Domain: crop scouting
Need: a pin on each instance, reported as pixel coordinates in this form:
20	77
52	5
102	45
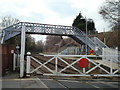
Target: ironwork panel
89	42
11	31
37	28
100	43
49	29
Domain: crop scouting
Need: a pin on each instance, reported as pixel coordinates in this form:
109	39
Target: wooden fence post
28	64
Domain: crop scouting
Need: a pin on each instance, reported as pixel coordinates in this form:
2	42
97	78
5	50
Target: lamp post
86	34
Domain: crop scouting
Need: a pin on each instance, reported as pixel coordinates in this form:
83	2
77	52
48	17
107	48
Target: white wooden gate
70	62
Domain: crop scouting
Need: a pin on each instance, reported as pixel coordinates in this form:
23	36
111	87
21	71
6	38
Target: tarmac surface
12	80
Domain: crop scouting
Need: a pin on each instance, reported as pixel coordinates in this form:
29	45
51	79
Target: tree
91	26
30	43
110	11
52	42
39	46
7	21
33	46
80	22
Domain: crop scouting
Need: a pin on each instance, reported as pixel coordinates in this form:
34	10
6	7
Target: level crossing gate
61	65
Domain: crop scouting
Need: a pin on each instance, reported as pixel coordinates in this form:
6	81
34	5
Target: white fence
71	51
16	61
88	71
110	54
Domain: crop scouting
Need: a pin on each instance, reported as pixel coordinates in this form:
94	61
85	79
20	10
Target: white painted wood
28	64
56	66
116	75
116	71
111	69
69	65
41	65
85	71
98	65
14	61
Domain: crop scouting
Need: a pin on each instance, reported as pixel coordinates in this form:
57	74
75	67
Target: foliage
80	22
40	46
58	43
110	11
32	46
52	43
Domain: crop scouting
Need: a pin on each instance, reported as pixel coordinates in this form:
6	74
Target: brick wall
7	58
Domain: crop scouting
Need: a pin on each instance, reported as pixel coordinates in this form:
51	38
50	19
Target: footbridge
47	29
23	28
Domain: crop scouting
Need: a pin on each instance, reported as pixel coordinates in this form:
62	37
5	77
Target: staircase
91	43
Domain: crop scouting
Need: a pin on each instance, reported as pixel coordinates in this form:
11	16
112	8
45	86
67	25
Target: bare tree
51	41
7	21
109	11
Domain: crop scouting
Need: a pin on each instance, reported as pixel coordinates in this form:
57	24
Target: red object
84	62
12	51
91	51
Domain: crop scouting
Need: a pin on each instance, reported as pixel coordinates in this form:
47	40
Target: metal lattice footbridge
47	29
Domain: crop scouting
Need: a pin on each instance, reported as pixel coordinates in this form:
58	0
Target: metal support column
86	35
22	51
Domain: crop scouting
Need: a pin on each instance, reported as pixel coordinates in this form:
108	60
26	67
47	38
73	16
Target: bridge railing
100	43
72	65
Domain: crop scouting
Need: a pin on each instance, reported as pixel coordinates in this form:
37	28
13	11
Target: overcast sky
61	12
